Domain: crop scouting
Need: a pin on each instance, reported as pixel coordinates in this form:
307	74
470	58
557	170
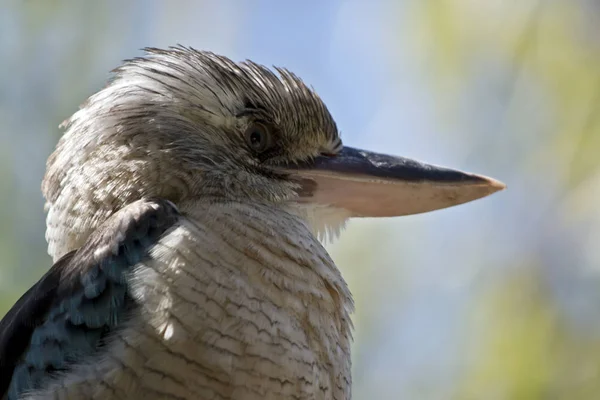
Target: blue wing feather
85	298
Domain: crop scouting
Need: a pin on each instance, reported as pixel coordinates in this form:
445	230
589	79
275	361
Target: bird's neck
277	237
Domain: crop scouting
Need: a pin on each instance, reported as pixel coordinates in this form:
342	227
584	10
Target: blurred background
497	299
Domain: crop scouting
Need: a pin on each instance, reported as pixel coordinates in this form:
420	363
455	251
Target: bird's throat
248	281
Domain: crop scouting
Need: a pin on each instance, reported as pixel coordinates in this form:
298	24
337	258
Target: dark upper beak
376	185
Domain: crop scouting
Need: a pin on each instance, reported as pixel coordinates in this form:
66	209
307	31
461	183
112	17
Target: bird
188	203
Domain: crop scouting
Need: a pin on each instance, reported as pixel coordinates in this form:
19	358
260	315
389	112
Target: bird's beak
376	185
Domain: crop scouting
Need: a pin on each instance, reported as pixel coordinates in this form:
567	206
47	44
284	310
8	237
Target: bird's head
191	126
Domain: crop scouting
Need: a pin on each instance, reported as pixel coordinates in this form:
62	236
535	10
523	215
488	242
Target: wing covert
84	297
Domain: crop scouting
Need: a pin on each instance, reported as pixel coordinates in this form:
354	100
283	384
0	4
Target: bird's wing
68	313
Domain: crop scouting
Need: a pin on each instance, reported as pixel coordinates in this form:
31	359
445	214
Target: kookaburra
186	202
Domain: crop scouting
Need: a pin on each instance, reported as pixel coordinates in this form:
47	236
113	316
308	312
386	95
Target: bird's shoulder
68	313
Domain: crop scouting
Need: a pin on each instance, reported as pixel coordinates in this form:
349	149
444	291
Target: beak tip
487	186
493	184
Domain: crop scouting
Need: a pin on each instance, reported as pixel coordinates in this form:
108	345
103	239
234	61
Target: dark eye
258	137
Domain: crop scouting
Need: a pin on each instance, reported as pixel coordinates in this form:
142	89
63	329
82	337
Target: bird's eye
258	137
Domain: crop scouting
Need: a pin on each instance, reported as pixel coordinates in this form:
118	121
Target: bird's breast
238	302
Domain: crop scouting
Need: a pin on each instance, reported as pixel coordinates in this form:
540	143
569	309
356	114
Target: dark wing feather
28	313
66	315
